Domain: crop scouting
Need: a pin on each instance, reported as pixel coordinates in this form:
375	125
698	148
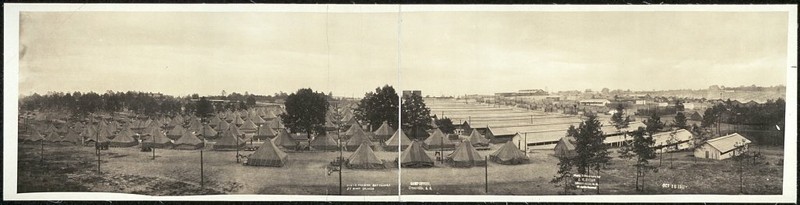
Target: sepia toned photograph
401	103
207	103
548	103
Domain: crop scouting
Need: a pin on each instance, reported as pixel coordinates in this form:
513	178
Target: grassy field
700	176
176	172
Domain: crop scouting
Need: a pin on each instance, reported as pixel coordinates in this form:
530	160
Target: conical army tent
188	141
509	154
565	147
235	130
237	121
229	141
175	122
106	132
275	124
128	132
50	129
324	142
264	133
73	137
269	155
63	129
213	121
208	133
157	139
354	127
230	117
415	156
438	141
285	140
176	132
270	115
89	131
222	126
195	125
477	139
123	139
91	141
384	131
150	130
465	156
258	120
364	158
53	137
249	126
261	113
359	137
399	138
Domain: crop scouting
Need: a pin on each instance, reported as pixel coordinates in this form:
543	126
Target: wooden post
41	155
97	149
486	175
598	181
237	148
341	161
202	176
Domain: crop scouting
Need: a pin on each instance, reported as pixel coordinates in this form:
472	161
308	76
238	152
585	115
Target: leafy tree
709	117
204	108
446	125
680	121
679	105
415	115
190	108
250	101
305	112
377	107
242	106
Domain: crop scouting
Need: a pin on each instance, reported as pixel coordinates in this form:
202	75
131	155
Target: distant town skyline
440	53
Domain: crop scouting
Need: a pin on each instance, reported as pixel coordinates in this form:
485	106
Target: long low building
723	147
673	141
547	139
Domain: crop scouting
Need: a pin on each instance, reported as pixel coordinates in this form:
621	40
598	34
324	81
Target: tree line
143	103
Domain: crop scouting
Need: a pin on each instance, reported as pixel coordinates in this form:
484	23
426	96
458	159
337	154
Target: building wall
700	152
715	154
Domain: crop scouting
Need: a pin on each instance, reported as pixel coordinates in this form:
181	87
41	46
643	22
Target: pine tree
642	147
680	121
591	152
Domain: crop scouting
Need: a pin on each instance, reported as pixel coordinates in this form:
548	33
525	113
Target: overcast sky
451	53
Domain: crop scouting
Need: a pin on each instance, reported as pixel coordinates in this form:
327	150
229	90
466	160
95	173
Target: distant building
688	106
594	102
723	147
696	116
407	93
